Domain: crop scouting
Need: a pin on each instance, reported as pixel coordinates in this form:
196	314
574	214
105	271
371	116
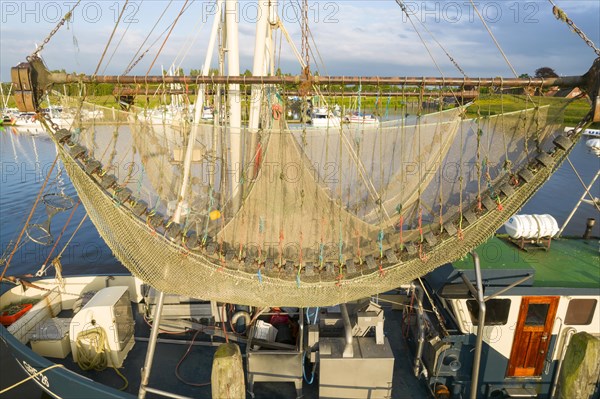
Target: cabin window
536	314
580	312
496	311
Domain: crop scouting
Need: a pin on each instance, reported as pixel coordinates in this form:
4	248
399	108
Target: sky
367	38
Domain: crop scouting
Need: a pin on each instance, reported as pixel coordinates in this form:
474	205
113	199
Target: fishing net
309	217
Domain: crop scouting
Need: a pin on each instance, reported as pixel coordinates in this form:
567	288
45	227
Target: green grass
486	105
496	104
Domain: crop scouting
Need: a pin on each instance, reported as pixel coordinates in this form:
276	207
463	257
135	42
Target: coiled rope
93	354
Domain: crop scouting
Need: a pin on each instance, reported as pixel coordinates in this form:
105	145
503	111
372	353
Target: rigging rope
120	41
401	4
42	270
53	32
305	34
73	235
561	15
37	200
403	7
30	377
133	63
111	37
594	202
183	53
494	38
183	8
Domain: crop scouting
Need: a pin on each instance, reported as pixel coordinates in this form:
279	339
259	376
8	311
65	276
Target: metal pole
586	192
420	328
348	348
511	286
151	346
167	394
478	294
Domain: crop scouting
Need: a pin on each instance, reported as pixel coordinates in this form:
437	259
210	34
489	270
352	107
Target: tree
524	76
545	72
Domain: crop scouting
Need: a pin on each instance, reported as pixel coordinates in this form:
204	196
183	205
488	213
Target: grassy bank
574	111
486	105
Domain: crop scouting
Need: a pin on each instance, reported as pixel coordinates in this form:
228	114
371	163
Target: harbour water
26	159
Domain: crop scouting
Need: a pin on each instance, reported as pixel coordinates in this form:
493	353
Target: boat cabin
535	301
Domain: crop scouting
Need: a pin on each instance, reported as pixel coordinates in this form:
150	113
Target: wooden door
532	336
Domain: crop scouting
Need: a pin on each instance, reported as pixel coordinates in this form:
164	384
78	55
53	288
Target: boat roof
569	265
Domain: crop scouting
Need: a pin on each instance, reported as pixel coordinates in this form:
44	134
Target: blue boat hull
58	382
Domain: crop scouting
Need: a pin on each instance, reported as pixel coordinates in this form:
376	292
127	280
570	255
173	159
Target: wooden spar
383	94
126	91
30	79
565	81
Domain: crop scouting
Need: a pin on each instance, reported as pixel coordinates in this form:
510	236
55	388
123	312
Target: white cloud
362	38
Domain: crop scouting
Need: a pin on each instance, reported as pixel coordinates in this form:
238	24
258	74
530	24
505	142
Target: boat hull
58	382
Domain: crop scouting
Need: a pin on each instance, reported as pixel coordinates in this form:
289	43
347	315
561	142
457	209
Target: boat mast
235	105
198	107
274	24
258	69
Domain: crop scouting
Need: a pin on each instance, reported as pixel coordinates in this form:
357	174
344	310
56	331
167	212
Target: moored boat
540	306
240	228
50	338
323	117
360	118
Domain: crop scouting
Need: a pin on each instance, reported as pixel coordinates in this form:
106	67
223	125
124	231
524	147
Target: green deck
570	263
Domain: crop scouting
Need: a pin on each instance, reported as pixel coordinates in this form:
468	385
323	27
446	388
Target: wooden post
581	365
227	379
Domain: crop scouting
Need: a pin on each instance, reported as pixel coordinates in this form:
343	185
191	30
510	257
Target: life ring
277	111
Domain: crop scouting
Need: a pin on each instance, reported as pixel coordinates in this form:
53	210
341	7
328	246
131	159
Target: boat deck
567	263
196	368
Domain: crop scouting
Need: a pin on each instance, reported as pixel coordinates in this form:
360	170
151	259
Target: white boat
173	115
594	145
363	119
586	132
323	117
28	122
207	113
7	120
591	132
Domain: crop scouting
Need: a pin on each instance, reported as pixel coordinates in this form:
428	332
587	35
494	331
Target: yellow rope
30	377
94	356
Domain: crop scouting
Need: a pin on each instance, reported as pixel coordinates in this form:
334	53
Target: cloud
352	37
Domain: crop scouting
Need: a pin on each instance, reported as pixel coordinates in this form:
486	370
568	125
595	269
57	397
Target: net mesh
310	217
